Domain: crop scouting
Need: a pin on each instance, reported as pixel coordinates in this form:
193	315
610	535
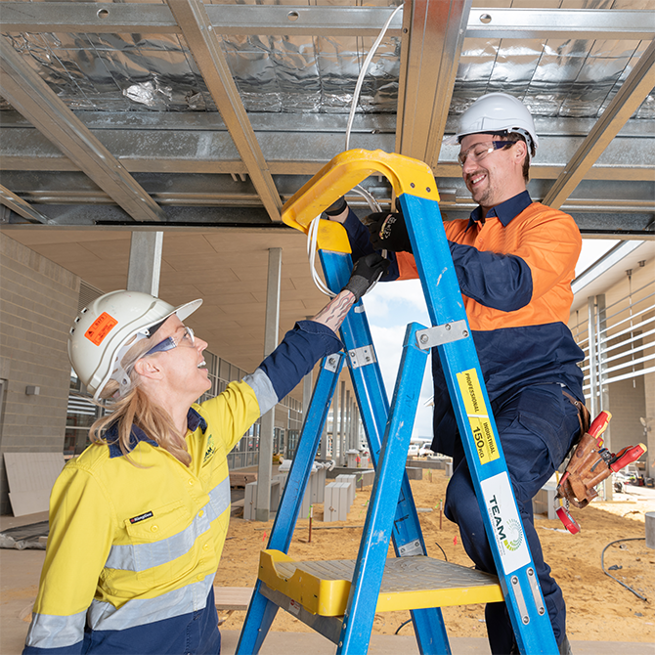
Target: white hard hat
497	112
104	330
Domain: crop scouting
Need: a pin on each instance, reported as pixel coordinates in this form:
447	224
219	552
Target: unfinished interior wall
38	302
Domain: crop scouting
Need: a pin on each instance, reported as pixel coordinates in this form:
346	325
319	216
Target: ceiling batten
201	39
12	201
632	93
428	68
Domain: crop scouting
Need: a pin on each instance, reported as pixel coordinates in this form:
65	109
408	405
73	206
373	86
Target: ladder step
419	582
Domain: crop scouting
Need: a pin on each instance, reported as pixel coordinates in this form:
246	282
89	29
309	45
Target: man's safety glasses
169	343
481	150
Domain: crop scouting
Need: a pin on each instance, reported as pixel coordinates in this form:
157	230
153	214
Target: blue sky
392	305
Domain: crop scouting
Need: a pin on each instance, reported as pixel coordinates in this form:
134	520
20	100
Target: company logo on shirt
141	517
211	449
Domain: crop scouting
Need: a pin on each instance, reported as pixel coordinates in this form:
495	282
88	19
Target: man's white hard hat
105	329
497	112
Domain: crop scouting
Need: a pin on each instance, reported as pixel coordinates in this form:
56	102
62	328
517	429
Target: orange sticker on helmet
100	328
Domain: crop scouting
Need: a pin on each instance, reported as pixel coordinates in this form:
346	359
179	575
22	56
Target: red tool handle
627	455
599	425
569	522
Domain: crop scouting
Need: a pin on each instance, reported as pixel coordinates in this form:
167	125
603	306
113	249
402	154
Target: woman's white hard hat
98	338
497	112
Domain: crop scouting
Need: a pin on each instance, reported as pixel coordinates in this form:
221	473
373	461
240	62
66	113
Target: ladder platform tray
322	587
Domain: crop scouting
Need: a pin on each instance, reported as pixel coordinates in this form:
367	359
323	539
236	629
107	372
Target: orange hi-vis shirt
514	270
546	239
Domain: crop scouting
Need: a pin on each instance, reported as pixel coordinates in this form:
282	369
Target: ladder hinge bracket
440	334
362	356
331	363
410	549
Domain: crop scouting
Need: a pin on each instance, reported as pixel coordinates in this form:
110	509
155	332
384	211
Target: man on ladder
515	260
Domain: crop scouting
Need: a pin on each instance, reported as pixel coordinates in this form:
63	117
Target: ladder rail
358	623
407	537
459	359
261	611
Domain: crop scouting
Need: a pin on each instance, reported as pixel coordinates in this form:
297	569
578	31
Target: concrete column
144	269
265	467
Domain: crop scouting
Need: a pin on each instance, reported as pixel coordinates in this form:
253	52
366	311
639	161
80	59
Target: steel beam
192	17
107	17
486	23
632	93
16	203
39	104
428	68
496	23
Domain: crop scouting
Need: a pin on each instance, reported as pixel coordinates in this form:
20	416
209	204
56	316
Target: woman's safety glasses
169	343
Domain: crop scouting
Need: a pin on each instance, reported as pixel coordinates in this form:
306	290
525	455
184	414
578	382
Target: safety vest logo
211	449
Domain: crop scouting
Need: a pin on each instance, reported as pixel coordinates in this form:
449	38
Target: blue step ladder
339	598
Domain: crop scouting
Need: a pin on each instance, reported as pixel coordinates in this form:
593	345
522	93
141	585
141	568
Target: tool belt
586	469
584	418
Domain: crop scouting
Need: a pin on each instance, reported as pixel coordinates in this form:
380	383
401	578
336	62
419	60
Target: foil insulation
304	74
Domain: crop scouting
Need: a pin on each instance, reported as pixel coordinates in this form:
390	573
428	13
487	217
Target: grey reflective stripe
141	611
49	631
139	557
261	384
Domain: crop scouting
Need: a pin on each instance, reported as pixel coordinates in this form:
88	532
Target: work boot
565	647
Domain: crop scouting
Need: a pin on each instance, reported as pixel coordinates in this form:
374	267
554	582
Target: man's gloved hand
387	231
337	207
366	271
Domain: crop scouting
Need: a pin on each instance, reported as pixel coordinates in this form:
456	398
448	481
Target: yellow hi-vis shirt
136	543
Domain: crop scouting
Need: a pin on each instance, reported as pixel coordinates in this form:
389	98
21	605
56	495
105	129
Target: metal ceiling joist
39	104
10	199
178	148
632	93
492	23
107	17
428	69
515	23
199	34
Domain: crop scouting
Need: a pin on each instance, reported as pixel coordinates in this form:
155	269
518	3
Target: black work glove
366	271
337	207
387	231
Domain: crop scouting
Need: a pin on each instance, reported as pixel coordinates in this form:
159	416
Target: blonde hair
136	407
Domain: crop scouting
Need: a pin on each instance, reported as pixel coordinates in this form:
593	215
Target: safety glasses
169	343
481	150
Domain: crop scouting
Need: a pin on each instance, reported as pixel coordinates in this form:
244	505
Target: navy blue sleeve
300	349
360	244
501	282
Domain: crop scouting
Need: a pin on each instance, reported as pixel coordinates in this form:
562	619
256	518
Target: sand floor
599	608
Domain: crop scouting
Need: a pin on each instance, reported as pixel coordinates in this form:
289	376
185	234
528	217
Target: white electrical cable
362	73
312	238
312	233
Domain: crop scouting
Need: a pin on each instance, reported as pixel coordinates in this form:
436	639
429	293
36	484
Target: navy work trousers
536	427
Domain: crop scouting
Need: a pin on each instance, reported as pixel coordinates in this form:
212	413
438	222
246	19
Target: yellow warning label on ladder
478	415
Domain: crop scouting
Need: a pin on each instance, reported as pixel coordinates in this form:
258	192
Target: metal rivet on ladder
424	338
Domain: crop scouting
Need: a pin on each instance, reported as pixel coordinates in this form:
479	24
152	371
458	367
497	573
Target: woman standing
139	519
